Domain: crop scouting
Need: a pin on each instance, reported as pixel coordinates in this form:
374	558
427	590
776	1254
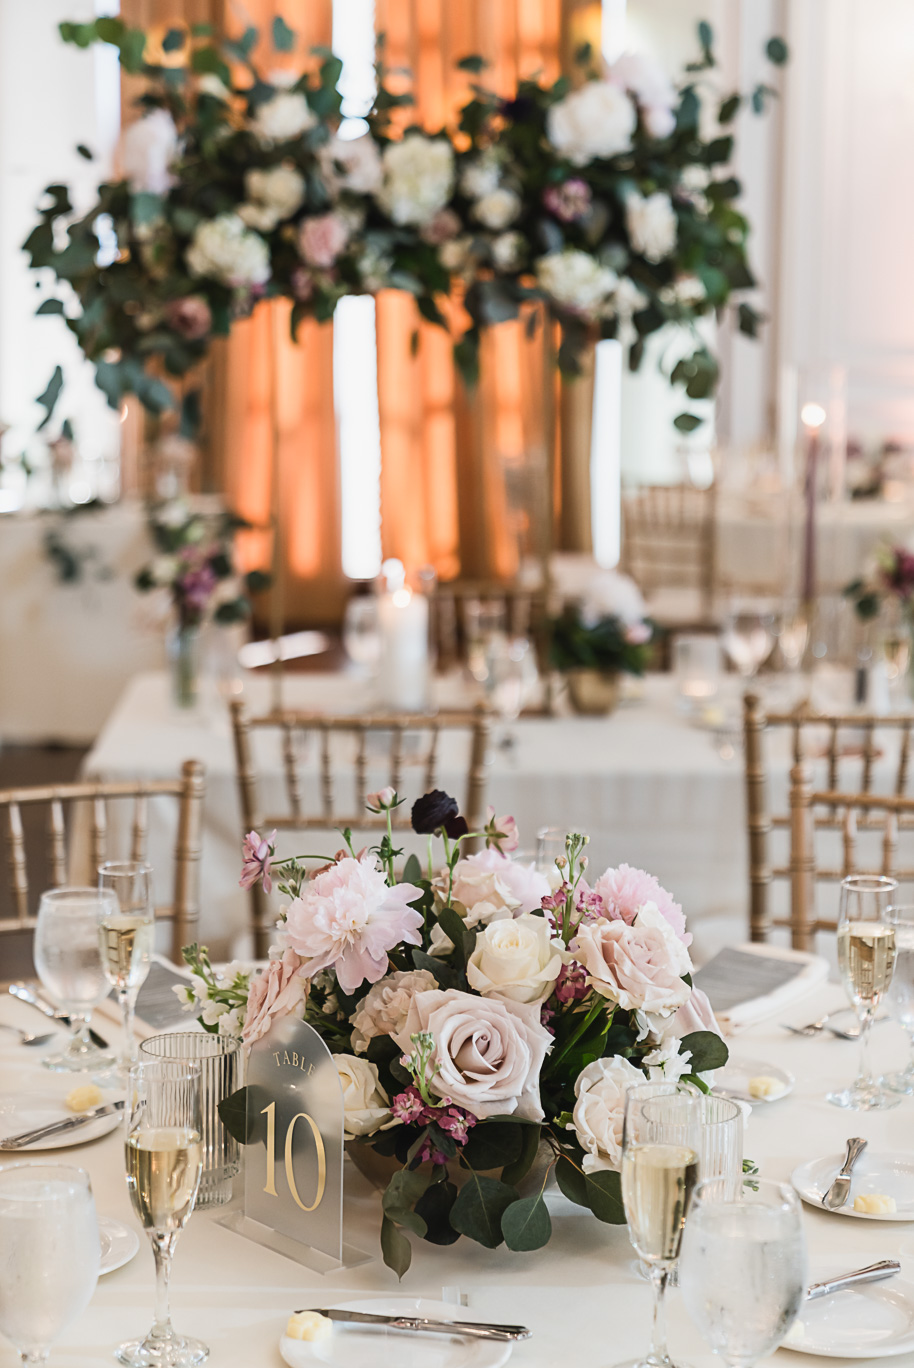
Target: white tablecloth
580	1295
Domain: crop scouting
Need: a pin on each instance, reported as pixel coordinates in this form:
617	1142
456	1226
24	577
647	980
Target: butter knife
886	1268
472	1329
69	1123
840	1190
26	994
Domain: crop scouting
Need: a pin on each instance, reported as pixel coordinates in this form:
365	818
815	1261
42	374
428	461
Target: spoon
27	1037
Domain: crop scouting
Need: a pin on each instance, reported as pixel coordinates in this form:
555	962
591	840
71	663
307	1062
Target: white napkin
739	1016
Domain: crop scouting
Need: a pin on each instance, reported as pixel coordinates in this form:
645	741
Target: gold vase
594	693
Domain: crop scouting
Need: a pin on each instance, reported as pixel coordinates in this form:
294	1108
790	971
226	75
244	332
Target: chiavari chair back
669	543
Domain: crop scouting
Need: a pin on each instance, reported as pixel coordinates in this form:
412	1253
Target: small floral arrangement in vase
887	587
597	638
485	1019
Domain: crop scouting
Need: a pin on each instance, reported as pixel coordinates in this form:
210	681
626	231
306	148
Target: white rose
418	178
576	281
365	1103
497	209
384	1008
518	959
285	116
508	251
351	164
651	224
658	120
600	1110
280	188
597	120
651	87
260	217
480	176
224	249
147	149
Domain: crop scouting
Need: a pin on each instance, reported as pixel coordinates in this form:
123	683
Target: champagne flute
164	1154
866	959
900	999
65	951
125	938
660	1149
50	1254
742	1270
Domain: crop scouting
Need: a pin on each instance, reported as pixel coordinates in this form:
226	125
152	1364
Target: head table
581	1295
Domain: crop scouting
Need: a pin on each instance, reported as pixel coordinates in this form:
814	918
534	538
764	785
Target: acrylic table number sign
293	1158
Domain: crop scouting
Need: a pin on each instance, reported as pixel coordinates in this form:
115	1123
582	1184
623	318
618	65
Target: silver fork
28	1037
810	1029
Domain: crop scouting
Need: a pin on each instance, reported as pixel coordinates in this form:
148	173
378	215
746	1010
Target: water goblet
900	998
49	1254
70	967
742	1269
125	939
748	637
866	959
164	1157
362	632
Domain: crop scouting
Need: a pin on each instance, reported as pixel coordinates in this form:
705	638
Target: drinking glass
362	632
660	1151
720	1146
793	635
49	1254
866	959
697	668
506	680
484	622
164	1154
70	967
219	1058
125	939
900	999
550	844
742	1270
748	636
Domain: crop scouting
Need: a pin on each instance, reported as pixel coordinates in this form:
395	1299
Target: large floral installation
485	1019
611	204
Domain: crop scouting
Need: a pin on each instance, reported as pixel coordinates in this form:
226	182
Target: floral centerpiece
887	586
485	1020
600	636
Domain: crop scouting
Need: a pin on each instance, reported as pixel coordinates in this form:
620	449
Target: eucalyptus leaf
521	1166
478	1210
412	871
49	396
708	1050
776	51
240	1114
434	1206
526	1224
395	1247
603	1194
572	1181
687	422
283	36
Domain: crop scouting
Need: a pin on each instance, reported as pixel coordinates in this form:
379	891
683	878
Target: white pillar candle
403	676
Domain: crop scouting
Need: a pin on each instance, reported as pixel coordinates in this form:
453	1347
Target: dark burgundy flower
433	811
519	110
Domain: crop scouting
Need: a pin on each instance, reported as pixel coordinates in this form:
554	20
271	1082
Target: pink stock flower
569	201
624	891
322	238
501	832
347	919
408	1106
277	992
256	855
571	984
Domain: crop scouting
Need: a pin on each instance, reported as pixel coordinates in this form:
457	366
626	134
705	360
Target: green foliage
49	396
240	1114
479	1207
526	1224
708	1050
776	51
575	644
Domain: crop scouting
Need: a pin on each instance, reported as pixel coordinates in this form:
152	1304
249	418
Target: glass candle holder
697	668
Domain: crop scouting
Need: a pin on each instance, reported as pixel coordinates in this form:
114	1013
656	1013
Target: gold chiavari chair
362	736
184	910
846	749
523	611
669	545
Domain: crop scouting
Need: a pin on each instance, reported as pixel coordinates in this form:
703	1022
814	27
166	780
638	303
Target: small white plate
355	1346
875	1320
886	1171
737	1072
26	1111
119	1244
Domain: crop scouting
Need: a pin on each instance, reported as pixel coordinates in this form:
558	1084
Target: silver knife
26	994
886	1268
840	1190
474	1329
69	1123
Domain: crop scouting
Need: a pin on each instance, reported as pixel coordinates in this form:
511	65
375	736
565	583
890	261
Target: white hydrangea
225	249
351	164
147	149
481	176
576	281
418	178
286	115
280	188
651	224
597	120
497	209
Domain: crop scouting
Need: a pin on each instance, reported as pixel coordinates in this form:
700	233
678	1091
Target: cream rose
384	1008
651	224
517	960
497	209
597	120
286	115
365	1103
639	966
489	1053
600	1110
484	891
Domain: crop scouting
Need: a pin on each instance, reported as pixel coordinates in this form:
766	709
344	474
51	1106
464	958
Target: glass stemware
49	1254
900	998
507	662
164	1155
550	844
748	637
742	1270
362	632
125	938
69	965
866	959
660	1152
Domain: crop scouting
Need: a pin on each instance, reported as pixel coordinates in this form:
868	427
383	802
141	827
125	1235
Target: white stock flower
497	209
597	120
230	1023
665	1063
365	1103
600	1110
384	1008
147	149
686	290
286	115
517	959
351	164
224	249
576	281
481	176
651	224
280	188
418	178
164	570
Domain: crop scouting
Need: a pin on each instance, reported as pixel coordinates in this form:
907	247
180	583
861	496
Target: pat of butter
84	1098
875	1204
309	1325
764	1086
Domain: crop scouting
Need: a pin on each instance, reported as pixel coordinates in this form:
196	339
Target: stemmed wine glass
362	632
50	1254
742	1270
66	956
506	681
660	1151
748	637
866	959
164	1154
125	938
900	999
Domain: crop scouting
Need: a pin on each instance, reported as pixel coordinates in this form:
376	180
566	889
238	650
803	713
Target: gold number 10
270	1186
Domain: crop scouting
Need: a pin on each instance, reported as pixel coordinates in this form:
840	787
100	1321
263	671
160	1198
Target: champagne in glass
900	997
125	938
866	957
163	1172
66	956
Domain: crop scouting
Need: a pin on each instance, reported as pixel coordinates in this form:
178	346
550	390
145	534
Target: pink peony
256	854
640	967
624	891
523	887
277	992
190	317
322	238
347	919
